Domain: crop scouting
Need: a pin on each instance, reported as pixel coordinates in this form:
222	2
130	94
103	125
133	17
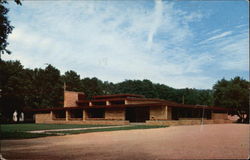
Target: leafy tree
92	86
43	88
108	87
149	89
205	97
233	94
145	87
193	96
165	92
5	27
48	87
12	85
72	81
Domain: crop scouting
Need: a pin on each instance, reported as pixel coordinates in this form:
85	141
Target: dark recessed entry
96	113
137	114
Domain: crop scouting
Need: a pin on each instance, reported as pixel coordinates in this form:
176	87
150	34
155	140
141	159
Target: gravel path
217	141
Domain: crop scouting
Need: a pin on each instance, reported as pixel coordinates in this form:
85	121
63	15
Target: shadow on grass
23	135
18	131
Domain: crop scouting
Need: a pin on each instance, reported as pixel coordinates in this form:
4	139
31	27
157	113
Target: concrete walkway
74	129
215	141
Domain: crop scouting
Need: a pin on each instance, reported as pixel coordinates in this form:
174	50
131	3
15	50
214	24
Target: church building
123	109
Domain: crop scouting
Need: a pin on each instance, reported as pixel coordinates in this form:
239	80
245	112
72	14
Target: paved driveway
220	141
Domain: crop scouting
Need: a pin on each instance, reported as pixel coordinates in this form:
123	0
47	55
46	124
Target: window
96	113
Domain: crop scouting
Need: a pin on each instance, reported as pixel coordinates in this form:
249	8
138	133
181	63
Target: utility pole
64	86
183	99
203	114
64	89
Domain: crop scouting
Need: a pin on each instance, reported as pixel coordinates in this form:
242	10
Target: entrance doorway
137	114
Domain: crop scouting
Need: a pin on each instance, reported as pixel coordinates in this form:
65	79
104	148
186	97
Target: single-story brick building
124	109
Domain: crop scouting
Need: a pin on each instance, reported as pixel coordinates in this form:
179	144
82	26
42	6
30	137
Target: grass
34	127
22	135
18	131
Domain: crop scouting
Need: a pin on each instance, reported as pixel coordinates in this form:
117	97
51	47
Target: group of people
18	117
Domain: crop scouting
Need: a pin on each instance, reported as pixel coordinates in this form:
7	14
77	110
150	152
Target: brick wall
46	118
70	98
138	102
115	113
219	116
43	118
158	112
162	122
186	122
94	122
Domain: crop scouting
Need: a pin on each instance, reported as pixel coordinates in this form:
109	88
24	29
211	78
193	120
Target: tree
108	87
5	27
92	87
44	88
72	81
194	96
12	85
233	94
165	92
54	86
205	97
145	87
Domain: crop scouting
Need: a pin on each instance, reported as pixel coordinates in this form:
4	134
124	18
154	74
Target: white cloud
216	37
109	40
156	22
222	35
235	55
231	51
214	31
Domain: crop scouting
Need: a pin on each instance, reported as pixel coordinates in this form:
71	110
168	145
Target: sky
181	44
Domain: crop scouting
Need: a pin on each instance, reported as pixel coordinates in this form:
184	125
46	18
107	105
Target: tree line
24	88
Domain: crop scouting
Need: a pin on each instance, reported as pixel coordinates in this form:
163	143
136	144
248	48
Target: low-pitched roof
166	103
117	96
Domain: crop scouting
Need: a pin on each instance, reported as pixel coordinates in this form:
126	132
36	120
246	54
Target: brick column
51	115
166	111
126	101
108	103
67	115
84	115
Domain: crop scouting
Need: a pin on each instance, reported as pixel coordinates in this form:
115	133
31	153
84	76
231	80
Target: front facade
128	108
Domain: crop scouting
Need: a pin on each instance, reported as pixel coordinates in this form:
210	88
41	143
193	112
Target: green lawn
18	131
